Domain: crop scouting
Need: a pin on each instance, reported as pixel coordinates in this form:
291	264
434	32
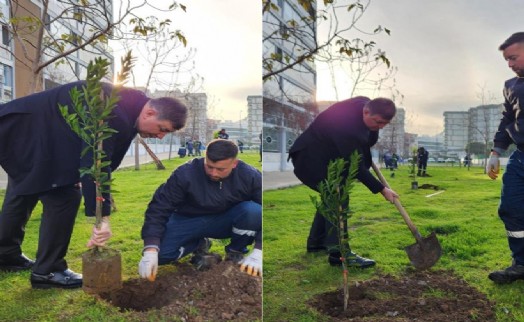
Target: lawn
135	189
464	217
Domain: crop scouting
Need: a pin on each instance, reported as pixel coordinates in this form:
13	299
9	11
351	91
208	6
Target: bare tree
48	35
169	67
297	41
480	122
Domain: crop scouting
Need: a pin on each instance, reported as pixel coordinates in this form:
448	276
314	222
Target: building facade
477	127
289	96
66	24
254	120
391	137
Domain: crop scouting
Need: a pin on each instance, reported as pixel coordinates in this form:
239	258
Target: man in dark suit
345	127
42	157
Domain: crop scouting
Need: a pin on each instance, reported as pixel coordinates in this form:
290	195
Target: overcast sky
227	35
444	51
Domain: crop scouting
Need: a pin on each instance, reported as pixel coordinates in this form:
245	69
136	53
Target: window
8	76
5	35
47	22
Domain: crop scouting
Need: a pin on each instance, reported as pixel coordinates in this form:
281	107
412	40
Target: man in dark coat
217	196
510	131
42	157
422	161
345	127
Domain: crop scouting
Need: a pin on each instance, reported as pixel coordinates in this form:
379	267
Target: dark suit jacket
336	132
39	151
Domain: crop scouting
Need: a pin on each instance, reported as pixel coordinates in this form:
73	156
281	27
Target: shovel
426	251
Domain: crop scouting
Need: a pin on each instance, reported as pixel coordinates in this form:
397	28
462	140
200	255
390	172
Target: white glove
148	265
99	236
493	166
252	264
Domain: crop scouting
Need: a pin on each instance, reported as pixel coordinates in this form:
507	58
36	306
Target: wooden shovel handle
397	203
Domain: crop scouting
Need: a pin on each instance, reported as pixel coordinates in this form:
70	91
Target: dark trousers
512	205
60	206
324	233
242	223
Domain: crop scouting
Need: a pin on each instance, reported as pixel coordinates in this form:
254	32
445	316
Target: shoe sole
48	286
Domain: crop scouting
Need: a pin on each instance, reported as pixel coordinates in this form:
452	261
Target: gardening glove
252	264
99	236
493	166
148	265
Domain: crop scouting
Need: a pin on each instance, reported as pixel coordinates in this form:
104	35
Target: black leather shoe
65	279
15	263
509	275
354	260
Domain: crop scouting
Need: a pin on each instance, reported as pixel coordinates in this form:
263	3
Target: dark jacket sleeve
164	203
257	188
512	122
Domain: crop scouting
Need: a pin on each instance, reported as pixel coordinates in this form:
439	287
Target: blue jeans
242	223
511	208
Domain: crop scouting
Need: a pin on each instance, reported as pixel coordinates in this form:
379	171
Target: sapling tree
91	110
334	206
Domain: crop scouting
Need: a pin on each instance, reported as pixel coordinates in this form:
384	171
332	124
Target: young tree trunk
157	161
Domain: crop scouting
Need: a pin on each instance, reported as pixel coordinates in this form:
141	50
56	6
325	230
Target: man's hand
99	236
148	265
389	194
252	264
493	166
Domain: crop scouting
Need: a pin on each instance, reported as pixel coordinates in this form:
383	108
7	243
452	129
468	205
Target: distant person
240	146
422	161
345	127
510	131
217	196
42	157
189	146
467	160
197	144
388	160
222	134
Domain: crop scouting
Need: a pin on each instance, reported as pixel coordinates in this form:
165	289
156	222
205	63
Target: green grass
464	217
135	189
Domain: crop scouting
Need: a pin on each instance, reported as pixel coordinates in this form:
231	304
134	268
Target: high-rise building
254	120
456	125
289	96
196	123
66	25
391	137
477	125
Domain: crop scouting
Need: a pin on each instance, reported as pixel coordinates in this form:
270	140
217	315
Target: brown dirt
417	296
429	186
222	293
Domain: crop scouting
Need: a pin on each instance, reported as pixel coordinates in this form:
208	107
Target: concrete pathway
279	180
128	161
271	180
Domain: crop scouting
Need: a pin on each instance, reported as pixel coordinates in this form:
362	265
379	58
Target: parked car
451	160
431	159
440	160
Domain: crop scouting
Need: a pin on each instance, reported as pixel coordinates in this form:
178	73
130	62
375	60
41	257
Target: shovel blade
425	253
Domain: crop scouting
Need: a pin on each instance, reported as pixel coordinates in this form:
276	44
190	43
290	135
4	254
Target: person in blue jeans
218	197
509	131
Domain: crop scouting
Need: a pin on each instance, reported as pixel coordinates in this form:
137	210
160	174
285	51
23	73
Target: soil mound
222	293
418	296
